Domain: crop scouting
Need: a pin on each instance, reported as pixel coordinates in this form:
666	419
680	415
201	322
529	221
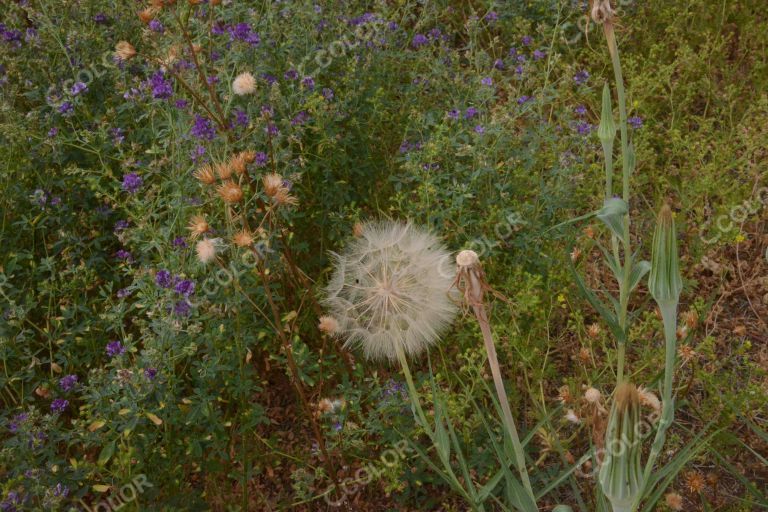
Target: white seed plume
206	249
391	288
243	84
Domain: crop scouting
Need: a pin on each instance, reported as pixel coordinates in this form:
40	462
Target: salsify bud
607	128
621	472
602	12
664	281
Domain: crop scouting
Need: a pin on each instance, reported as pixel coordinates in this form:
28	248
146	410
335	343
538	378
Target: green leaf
106	453
612	214
638	271
596	303
606	131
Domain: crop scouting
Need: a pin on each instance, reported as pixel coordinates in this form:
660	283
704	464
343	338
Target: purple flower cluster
150	373
301	118
68	382
203	128
581	77
115	348
17	421
10	36
78	88
162	89
132	182
156	26
163	279
635	122
243	32
122	254
59	405
408	146
261	159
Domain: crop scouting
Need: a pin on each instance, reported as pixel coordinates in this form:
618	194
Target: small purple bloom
59	405
115	348
156	26
68	382
118	135
635	122
308	82
584	128
581	77
122	254
491	17
100	18
53	132
179	242
479	129
261	159
161	88
453	114
163	279
121	225
291	74
203	128
519	70
78	88
185	287
301	118
487	81
419	40
580	110
123	293
538	54
498	64
132	182
60	491
523	99
66	109
150	373
470	113
181	104
17	421
327	93
527	40
182	308
272	129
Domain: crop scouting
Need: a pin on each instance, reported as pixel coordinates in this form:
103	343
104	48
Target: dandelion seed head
243	84
390	290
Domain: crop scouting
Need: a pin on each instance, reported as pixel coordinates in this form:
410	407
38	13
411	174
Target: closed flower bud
607	128
664	282
621	473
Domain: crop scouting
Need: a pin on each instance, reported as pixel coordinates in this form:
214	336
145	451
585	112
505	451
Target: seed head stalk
471	279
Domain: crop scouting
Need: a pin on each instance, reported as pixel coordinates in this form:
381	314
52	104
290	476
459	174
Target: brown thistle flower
238	164
564	394
585	355
147	14
198	226
248	155
205	175
674	501
686	353
224	170
124	50
273	182
328	324
283	197
691	319
695	482
230	192
593	331
157	4
243	238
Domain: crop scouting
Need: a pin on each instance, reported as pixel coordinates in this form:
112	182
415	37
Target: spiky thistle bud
230	192
205	175
621	473
664	281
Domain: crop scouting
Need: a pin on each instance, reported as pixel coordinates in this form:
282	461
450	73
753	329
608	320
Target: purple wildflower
182	308
150	373
580	110
527	40
60	491
118	135
487	81
156	26
59	405
635	122
162	89
581	77
181	104
203	128
419	40
327	93
53	132
66	109
17	421
491	17
498	64
123	293
538	54
122	254
453	114
185	287
115	348
308	82
78	88
100	18
241	118
132	182
272	129
584	128
163	279
479	129
470	113
121	225
291	74
179	242
301	118
68	382
261	159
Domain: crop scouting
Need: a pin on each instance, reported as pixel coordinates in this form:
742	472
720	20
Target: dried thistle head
390	290
238	164
206	249
224	170
148	14
205	175
602	12
674	501
272	182
243	238
328	324
198	226
230	192
243	84
124	51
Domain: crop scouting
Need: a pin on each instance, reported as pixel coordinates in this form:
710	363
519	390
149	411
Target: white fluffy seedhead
391	287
